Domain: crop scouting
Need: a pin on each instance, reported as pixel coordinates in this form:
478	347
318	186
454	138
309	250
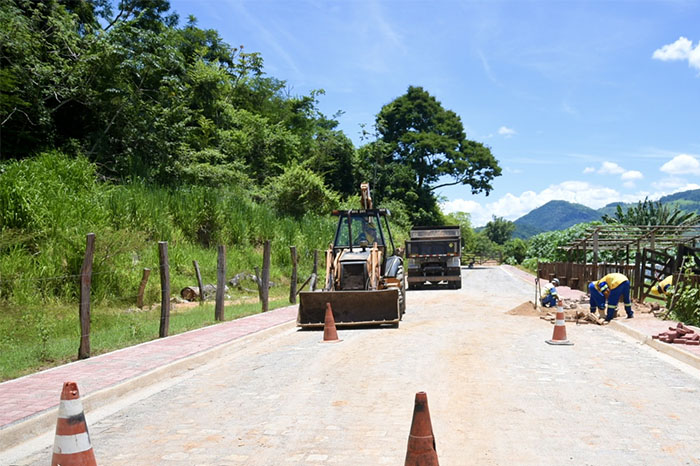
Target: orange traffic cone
559	334
421	441
330	334
72	443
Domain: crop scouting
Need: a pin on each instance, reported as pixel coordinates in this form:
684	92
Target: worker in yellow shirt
549	294
664	288
611	288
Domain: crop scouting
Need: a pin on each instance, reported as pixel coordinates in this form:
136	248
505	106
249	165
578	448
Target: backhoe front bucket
362	307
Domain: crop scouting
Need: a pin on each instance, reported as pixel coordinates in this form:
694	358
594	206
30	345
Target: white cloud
505	131
513	207
672	184
683	164
611	168
632	175
589	170
682	49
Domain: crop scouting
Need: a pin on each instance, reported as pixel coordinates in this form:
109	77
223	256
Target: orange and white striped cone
559	334
421	441
72	442
330	334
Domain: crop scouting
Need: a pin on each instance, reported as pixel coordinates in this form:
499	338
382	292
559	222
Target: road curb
45	421
666	348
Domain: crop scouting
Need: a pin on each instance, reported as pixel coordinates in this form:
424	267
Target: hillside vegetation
559	215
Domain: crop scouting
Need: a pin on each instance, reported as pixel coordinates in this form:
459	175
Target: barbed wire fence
139	278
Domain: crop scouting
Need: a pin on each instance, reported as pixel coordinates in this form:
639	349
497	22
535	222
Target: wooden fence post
199	281
84	311
164	289
293	284
220	283
142	287
265	279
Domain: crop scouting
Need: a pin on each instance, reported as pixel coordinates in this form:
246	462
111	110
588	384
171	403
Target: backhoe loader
364	284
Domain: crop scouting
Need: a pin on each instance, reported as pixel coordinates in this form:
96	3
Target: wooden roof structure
621	237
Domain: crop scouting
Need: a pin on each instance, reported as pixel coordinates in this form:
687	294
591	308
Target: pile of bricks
679	334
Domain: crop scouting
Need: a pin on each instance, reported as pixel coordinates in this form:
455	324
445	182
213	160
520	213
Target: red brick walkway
24	397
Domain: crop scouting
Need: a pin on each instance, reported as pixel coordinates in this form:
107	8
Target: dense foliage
118	119
499	230
686	297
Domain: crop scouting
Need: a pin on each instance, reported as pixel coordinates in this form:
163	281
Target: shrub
686	307
298	191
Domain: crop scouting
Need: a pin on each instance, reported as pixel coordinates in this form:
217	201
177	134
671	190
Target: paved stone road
498	394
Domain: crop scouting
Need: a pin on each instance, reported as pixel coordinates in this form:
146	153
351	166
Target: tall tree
424	147
499	229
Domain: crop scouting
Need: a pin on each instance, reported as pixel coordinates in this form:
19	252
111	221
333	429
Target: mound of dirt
525	309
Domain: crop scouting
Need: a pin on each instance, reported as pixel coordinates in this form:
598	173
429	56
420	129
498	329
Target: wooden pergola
641	252
633	237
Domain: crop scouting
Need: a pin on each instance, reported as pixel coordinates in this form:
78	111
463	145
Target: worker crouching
611	288
549	294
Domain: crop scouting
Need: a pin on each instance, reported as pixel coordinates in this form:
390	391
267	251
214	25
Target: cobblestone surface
498	394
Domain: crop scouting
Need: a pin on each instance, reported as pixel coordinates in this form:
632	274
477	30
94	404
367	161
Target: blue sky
584	101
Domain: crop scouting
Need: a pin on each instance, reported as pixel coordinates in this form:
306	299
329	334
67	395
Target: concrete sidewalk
642	327
28	405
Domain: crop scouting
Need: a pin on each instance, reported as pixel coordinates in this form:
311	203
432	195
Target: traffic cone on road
330	334
72	442
421	441
559	334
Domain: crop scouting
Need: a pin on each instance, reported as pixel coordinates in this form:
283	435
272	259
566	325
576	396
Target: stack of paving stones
679	334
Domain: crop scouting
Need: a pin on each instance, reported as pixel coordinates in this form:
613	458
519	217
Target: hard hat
555	282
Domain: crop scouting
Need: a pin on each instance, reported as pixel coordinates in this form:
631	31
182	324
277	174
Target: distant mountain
559	215
686	200
554	215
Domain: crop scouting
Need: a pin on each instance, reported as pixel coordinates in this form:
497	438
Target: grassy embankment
49	204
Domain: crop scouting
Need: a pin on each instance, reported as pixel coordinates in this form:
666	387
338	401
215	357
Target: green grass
39	338
49	203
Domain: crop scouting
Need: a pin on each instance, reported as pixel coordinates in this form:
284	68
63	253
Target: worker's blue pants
597	298
549	301
622	290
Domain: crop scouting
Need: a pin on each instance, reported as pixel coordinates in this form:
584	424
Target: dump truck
364	281
433	254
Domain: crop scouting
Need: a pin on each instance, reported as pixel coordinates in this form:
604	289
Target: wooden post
595	255
585	266
314	272
199	280
84	310
164	289
293	284
142	287
265	279
220	283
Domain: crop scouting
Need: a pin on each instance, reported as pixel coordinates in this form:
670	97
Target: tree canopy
148	98
499	230
421	147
